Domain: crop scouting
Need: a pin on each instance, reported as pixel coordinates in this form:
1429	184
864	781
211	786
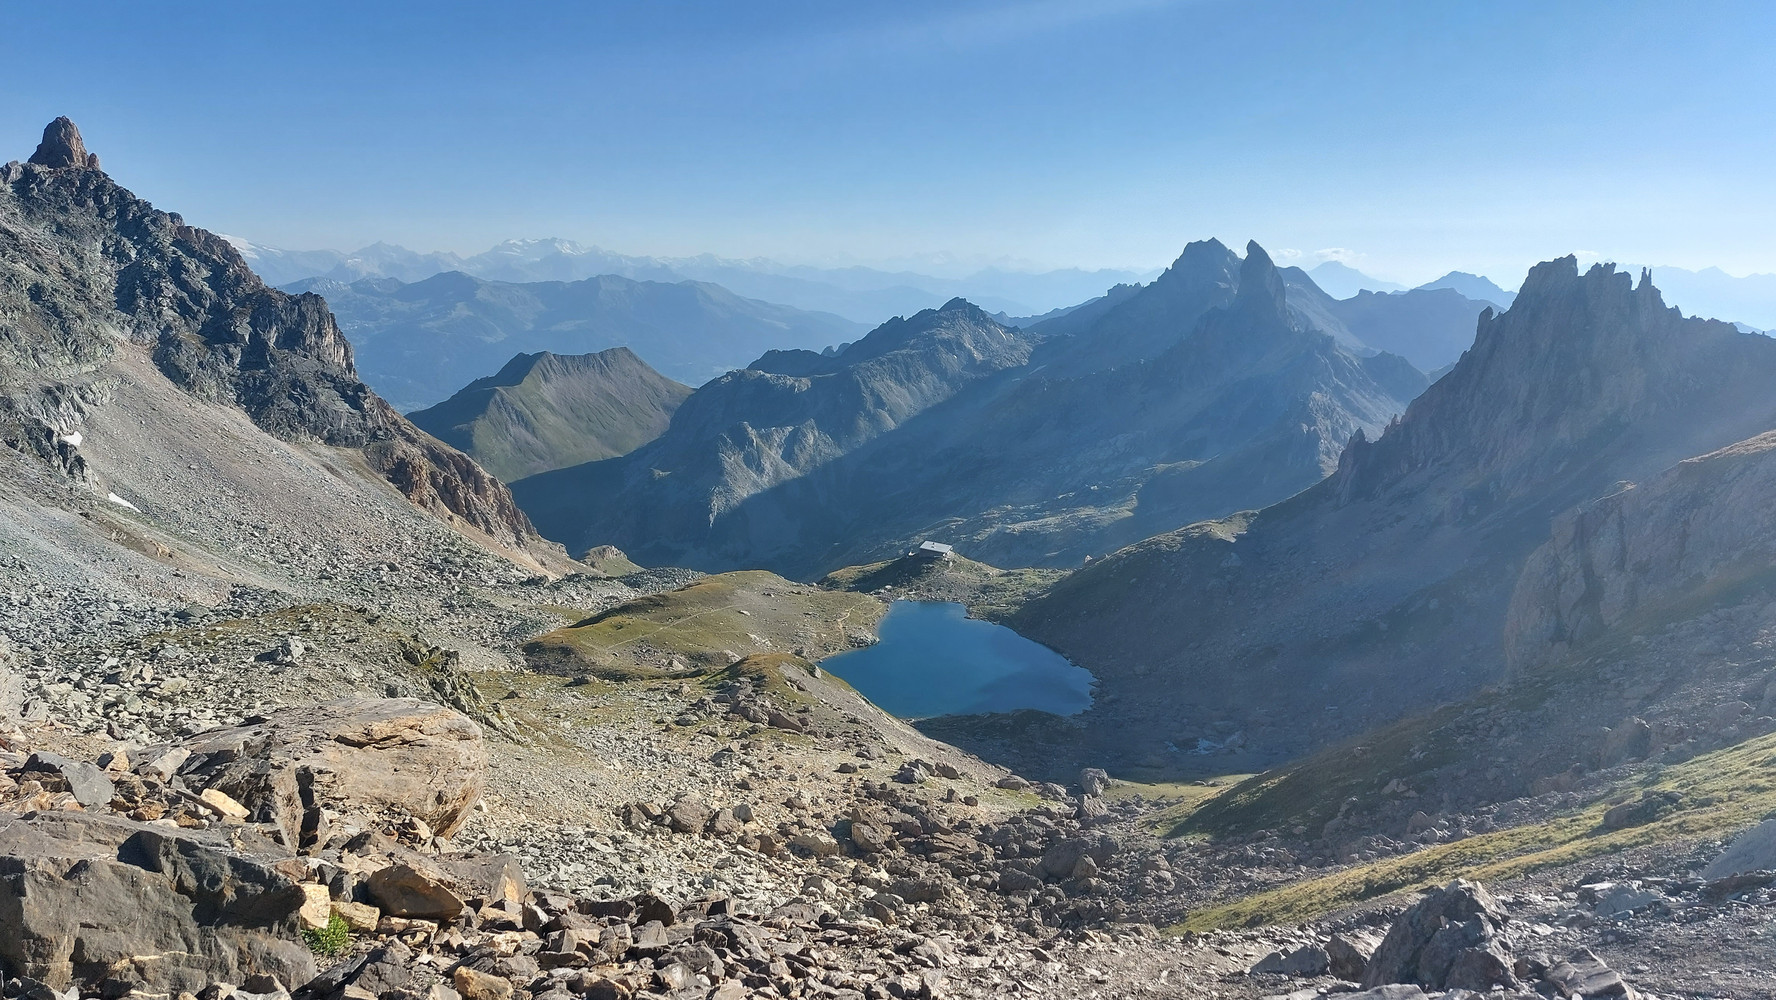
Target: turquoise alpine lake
935	660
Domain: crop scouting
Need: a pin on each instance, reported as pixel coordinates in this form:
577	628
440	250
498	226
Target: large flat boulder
87	899
1753	850
379	758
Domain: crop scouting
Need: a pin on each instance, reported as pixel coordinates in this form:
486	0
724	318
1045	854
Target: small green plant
329	941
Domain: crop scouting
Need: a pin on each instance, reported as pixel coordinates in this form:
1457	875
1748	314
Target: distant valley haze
1405	140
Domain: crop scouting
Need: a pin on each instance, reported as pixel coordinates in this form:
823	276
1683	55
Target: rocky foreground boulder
1450	939
100	901
203	862
388	759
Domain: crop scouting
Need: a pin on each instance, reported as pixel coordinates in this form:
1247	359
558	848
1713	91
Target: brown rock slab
385	758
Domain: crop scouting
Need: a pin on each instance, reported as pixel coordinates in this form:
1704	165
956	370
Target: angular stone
86	898
689	815
388	758
1753	850
480	986
88	782
1093	780
317	906
1449	939
1348	954
362	918
1583	974
404	891
870	838
816	842
224	804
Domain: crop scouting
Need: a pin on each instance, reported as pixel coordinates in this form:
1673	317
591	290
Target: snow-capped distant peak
538	248
245	248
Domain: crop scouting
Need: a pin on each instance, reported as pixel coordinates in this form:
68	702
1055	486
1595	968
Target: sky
1406	138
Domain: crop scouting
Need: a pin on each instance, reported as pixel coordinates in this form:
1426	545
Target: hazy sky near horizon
1409	137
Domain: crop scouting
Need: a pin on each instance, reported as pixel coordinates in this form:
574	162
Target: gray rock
407	891
88	783
1753	850
1348	954
1450	939
1583	974
689	815
1626	899
1093	780
1308	960
83	897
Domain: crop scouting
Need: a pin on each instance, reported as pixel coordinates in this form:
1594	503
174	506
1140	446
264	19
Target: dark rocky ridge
1384	589
86	265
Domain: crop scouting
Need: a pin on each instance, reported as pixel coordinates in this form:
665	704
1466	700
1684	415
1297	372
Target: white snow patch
121	502
243	247
72	439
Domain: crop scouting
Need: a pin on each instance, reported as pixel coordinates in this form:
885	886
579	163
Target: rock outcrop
63	147
87	900
381	761
1703	526
87	269
1450	939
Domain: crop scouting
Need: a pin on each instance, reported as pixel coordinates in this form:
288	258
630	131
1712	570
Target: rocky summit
295	704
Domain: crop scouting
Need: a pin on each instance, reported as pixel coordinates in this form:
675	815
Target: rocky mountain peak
63	147
1260	282
1578	355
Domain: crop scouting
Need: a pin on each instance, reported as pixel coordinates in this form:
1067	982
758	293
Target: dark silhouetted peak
1208	258
1260	282
63	147
968	309
1210	251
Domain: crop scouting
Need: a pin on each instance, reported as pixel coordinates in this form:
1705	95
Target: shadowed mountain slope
1384	588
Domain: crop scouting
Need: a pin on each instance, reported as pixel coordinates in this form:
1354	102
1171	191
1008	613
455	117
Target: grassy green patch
1721	792
989	592
329	941
701	624
1181	799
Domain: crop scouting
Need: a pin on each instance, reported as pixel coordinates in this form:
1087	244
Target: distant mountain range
545	411
1209	390
1341	281
860	294
1715	294
417	343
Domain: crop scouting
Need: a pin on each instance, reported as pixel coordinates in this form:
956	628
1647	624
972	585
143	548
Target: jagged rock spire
63	147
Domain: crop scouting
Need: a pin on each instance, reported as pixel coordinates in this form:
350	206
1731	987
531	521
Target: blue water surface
935	660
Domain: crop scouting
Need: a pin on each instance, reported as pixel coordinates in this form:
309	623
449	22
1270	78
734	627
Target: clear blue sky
1419	136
